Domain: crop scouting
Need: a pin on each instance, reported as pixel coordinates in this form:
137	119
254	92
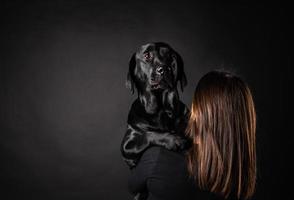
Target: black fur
157	116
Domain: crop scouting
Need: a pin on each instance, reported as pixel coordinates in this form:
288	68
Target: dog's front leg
133	145
167	140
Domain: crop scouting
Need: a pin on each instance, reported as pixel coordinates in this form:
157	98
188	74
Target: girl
222	160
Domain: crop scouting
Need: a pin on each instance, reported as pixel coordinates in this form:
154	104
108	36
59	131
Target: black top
164	175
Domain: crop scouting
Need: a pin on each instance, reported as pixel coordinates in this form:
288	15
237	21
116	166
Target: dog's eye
147	56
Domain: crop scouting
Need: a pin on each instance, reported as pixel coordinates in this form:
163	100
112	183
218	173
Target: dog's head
155	67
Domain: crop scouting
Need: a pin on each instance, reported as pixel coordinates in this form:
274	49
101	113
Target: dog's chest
165	121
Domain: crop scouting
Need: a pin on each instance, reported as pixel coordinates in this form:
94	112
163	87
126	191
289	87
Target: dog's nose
159	70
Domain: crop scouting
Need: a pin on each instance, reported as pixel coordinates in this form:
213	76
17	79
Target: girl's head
222	126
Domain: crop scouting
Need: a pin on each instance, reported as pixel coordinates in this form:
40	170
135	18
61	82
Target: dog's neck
155	101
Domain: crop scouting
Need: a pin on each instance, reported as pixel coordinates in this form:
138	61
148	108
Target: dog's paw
141	196
130	163
175	143
181	142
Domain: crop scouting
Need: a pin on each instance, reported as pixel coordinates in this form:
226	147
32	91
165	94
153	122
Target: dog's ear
179	70
130	82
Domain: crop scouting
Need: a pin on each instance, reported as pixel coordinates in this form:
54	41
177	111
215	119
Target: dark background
64	104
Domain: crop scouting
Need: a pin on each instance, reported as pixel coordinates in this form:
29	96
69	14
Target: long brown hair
222	127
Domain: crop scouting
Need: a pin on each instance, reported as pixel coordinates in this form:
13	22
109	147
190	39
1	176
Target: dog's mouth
156	85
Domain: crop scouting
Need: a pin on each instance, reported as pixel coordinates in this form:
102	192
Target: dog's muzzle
157	81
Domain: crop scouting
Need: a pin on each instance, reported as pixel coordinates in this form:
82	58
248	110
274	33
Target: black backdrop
64	103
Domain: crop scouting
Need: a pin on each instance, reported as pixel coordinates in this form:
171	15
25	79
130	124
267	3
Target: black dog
157	116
